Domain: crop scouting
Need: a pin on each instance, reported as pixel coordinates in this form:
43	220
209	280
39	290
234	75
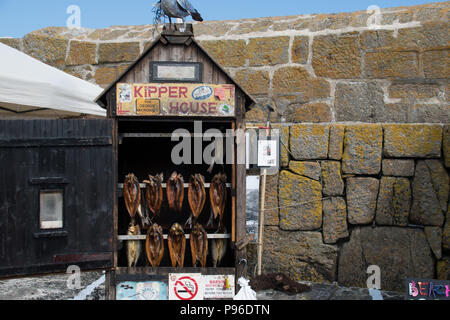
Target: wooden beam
164	185
55	142
188	236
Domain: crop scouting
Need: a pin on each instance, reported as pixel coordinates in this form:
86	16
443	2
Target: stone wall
350	196
387	67
357	189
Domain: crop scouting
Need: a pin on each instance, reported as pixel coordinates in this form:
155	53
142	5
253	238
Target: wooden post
262	187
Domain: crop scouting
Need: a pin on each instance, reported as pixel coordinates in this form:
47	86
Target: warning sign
219	287
147	107
186	286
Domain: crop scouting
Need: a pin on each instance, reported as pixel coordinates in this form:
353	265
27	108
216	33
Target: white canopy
30	87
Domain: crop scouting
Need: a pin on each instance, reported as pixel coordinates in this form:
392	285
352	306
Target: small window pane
51	214
177	72
252	205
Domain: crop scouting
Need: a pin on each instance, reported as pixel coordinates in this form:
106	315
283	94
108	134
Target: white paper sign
124	92
267	153
219	287
186	286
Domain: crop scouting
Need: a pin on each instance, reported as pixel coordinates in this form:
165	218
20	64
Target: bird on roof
177	9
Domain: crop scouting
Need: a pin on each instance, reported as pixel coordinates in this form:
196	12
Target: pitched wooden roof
174	37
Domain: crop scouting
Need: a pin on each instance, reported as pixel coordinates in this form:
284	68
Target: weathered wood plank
55	142
82	171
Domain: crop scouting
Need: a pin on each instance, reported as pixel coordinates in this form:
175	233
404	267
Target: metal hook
243	270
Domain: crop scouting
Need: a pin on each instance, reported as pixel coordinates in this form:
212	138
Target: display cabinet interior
145	149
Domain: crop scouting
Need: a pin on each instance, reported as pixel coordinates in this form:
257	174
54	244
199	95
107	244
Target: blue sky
19	17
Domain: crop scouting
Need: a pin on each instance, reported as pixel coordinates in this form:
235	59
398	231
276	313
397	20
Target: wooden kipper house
61	197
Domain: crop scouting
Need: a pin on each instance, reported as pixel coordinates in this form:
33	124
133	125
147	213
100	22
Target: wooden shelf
148	273
144	237
163	135
145	135
164	185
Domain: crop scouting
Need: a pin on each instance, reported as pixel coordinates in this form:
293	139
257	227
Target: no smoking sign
185	286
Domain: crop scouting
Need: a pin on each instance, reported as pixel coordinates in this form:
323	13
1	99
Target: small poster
151	290
219	287
124	92
267	153
186	286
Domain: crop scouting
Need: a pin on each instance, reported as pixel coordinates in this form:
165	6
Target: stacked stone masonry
389	208
368	66
362	101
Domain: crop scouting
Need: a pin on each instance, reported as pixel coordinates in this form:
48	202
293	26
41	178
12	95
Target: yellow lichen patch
267	51
307	169
332	182
315	113
412	140
336	143
49	50
300	202
337	56
255	115
297	80
228	53
309	141
254	82
362	149
81	53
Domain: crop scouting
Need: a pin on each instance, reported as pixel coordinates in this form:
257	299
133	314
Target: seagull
178	9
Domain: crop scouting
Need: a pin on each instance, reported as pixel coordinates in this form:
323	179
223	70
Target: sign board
427	289
152	290
267	153
175	99
263	149
219	287
186	286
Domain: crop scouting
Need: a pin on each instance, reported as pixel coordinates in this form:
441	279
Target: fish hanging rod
165	135
144	237
164	185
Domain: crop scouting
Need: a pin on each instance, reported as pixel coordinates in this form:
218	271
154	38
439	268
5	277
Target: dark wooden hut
75	169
